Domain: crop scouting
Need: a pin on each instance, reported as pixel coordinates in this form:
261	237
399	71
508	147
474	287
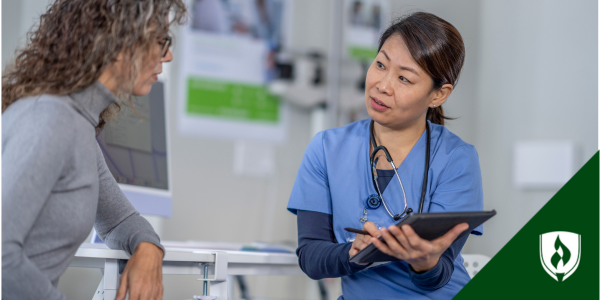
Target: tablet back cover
428	226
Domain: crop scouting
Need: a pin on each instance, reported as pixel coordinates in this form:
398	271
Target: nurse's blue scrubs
335	178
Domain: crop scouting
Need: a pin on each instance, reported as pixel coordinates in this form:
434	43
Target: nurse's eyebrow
401	67
386	56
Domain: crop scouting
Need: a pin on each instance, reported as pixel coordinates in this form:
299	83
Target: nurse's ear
440	96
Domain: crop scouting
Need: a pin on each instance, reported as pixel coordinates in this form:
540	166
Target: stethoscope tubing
426	175
388	157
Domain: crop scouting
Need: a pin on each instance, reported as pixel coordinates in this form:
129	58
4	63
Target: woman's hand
422	255
143	274
362	240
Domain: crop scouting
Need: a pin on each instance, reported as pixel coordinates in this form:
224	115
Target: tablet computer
428	226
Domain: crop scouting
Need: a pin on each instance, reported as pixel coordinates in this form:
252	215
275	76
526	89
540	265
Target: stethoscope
375	201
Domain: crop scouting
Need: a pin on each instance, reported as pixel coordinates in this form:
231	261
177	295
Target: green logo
556	253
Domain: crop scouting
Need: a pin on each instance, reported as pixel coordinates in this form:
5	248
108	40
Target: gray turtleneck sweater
55	187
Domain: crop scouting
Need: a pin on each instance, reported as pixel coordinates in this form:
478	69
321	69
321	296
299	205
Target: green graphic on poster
227	61
366	54
229	100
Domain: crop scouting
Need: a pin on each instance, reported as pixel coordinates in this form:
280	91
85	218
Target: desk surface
239	262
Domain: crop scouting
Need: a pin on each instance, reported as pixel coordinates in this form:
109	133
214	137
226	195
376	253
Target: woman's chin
143	90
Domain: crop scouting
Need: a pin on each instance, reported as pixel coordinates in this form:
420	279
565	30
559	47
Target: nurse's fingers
414	240
383	247
371	229
394	245
447	239
360	242
401	237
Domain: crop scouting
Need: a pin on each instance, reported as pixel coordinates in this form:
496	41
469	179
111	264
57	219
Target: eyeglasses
166	44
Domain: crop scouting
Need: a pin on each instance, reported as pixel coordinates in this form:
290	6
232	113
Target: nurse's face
398	92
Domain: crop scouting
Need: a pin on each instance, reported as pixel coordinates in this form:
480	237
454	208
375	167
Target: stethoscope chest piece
373	202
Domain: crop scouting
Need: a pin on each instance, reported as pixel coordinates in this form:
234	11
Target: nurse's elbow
305	266
313	275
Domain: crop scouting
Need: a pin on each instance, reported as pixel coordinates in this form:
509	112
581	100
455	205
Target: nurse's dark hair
436	46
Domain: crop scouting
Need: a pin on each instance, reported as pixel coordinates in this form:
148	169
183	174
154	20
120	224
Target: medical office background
529	83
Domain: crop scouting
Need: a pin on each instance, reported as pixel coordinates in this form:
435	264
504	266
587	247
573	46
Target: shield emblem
560	252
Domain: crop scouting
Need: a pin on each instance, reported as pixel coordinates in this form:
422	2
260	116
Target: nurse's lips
377	105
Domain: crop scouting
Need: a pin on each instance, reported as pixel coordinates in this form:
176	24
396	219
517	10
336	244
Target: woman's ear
441	95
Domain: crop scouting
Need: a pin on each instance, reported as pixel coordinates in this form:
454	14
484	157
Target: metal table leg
99	294
111	278
218	285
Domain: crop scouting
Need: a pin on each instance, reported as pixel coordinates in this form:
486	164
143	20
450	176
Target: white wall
11	14
538	79
17	18
464	15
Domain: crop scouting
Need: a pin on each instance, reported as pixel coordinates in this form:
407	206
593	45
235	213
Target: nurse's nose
385	85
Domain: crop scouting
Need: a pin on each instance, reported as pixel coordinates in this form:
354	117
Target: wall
11	13
17	19
538	79
464	15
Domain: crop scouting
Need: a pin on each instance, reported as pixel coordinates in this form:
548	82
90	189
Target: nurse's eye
404	79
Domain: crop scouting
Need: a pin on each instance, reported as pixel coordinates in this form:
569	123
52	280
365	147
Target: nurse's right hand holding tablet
404	244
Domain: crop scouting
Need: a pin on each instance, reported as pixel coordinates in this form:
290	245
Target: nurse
417	67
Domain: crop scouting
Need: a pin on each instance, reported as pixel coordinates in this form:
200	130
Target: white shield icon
560	252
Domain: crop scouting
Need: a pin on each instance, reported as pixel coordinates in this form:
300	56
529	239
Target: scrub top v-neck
334	178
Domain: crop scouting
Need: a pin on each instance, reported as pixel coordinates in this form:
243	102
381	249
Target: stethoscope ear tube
426	175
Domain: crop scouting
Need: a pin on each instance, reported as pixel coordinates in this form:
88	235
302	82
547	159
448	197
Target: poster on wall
364	21
227	59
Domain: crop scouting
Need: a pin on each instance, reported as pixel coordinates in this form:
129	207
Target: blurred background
527	99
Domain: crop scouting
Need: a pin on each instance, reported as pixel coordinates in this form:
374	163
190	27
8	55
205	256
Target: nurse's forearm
319	254
320	259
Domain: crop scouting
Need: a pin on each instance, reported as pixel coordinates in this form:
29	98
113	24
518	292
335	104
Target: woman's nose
168	57
384	85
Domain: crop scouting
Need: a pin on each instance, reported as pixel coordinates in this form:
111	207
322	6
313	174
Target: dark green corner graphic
516	272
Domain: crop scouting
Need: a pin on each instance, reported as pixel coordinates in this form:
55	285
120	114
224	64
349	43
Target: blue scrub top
335	178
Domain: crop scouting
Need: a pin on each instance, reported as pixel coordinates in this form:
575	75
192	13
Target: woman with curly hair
84	60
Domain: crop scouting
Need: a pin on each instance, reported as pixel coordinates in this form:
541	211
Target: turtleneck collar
92	101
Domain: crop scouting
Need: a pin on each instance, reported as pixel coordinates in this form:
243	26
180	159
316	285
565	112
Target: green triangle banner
555	255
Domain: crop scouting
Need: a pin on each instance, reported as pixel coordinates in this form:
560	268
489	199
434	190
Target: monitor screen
135	149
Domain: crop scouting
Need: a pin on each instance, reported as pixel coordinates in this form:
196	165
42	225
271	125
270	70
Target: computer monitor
136	150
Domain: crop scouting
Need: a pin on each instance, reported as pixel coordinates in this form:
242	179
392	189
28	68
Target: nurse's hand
362	240
422	255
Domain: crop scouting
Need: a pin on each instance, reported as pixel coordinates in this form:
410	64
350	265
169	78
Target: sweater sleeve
118	223
28	177
319	255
